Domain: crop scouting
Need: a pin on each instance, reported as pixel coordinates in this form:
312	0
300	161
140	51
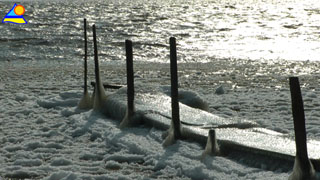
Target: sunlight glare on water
205	30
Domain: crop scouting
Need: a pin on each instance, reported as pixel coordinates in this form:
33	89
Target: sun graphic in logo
19	10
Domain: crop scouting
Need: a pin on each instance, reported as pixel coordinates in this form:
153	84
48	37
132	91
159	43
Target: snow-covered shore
43	136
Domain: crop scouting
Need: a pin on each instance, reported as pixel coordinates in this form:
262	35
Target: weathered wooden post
96	69
99	94
303	168
86	101
85	55
298	115
96	61
175	129
130	81
130	85
174	88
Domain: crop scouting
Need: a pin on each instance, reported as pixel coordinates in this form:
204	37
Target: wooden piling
96	62
212	140
174	89
299	122
212	147
130	80
86	101
85	55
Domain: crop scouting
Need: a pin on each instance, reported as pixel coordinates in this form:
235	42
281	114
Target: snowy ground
43	136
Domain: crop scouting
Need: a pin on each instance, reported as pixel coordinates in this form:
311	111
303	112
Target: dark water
205	30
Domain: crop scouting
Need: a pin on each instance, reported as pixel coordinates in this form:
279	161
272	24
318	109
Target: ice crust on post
175	127
303	168
86	101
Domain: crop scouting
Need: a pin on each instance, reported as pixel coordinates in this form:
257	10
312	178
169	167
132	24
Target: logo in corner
15	15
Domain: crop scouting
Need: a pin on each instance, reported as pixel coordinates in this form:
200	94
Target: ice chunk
113	165
28	162
21	97
220	90
61	162
130	158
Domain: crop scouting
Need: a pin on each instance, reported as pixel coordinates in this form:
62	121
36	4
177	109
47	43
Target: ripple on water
216	29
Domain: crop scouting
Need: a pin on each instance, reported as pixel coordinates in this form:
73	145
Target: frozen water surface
43	135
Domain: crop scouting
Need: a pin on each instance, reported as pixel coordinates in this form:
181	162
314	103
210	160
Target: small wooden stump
212	147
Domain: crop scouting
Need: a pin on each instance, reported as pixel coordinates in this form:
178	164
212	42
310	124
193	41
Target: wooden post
299	123
212	147
99	94
85	56
212	140
174	89
130	81
86	101
96	62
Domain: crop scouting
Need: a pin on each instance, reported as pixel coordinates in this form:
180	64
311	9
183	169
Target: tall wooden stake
99	94
174	89
85	56
86	101
96	62
299	122
130	81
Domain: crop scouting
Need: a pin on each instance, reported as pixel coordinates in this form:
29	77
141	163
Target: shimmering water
205	29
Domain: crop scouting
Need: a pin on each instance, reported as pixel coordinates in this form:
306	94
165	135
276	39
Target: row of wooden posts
296	97
174	85
130	78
